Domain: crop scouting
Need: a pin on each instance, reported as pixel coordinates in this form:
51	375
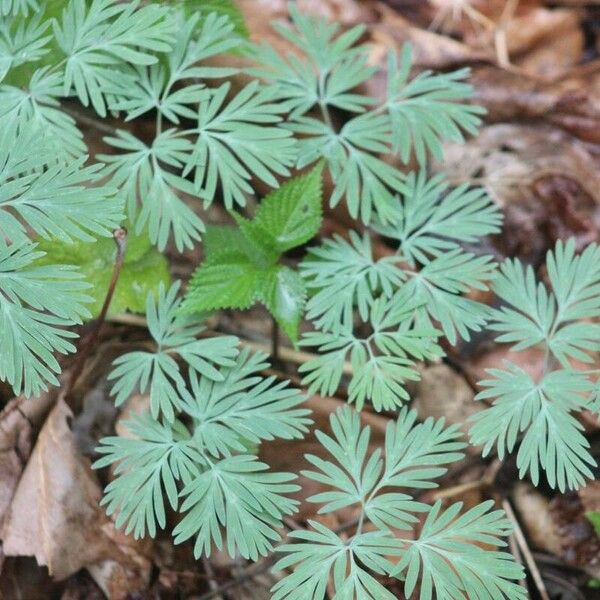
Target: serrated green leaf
240	265
232	284
291	214
284	294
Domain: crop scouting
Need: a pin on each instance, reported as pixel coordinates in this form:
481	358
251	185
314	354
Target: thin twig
522	543
210	576
456	490
89	121
274	340
120	237
285	353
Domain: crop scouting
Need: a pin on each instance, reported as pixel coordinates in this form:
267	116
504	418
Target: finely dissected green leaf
101	38
240	265
425	224
414	455
344	274
333	68
438	285
38	104
320	554
151	190
227	406
52	198
428	108
16	7
353	477
417	115
381	363
237	493
157	87
537	414
148	466
37	304
39	193
243	407
22	41
540	413
367	182
239	140
529	312
448	560
143	270
158	370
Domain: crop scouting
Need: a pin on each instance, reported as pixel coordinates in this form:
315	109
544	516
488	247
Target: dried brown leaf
55	516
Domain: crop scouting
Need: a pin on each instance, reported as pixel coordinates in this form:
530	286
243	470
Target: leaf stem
120	237
274	340
361	520
322	103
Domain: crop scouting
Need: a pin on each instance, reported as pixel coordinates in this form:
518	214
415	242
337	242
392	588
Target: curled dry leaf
542	42
534	512
546	183
55	516
19	421
572	104
559	527
546	43
345	12
430	50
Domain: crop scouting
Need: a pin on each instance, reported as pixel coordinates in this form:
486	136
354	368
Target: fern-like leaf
428	108
100	39
38	105
148	467
22	41
238	140
239	494
243	407
37	305
381	363
426	225
552	438
144	174
344	274
448	560
158	370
